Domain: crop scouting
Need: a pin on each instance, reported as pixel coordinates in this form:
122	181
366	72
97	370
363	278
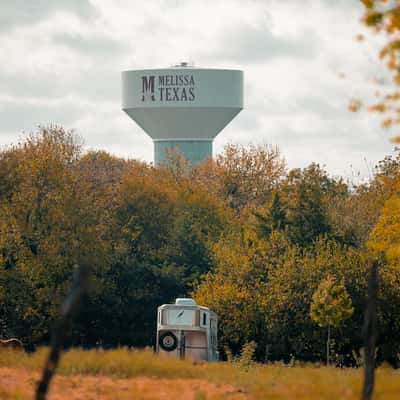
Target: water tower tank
182	107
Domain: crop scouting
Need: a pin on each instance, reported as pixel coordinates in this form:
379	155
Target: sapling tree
331	305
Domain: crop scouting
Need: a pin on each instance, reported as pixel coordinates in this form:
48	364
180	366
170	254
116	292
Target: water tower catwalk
182	108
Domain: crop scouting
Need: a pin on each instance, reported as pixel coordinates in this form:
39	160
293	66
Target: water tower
182	107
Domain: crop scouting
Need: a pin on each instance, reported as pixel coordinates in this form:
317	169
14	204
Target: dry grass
123	373
20	384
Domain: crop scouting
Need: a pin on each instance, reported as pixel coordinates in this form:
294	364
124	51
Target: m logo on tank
148	88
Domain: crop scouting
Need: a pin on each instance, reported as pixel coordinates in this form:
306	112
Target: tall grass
122	363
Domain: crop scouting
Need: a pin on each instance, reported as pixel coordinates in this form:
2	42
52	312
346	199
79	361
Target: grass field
138	374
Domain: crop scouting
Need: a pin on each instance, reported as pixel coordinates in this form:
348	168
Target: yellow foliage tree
243	177
385	236
330	306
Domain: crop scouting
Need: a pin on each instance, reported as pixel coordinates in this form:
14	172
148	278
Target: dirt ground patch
19	384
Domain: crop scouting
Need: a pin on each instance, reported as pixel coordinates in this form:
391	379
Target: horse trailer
187	330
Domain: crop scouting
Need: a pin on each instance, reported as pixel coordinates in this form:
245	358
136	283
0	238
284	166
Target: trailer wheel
168	341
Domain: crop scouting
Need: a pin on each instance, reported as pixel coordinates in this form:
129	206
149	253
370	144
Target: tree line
257	242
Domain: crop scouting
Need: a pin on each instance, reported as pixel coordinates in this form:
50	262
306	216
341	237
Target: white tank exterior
182	107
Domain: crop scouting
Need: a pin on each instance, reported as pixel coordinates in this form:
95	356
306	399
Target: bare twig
370	334
68	310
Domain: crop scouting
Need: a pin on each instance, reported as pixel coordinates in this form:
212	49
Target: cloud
100	83
17	13
100	46
18	116
248	44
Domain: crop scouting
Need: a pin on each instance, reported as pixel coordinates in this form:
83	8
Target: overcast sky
60	62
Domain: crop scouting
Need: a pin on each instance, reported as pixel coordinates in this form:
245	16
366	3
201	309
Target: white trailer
187	330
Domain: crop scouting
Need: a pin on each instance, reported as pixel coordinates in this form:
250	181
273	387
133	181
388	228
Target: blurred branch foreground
369	332
68	310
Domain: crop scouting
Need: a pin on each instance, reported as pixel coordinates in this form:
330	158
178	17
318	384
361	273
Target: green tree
331	305
49	219
271	218
306	195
